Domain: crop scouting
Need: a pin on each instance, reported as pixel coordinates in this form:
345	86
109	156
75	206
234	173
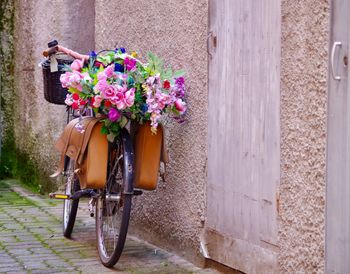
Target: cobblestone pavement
31	241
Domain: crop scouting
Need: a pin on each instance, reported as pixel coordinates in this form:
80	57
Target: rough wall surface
39	123
172	215
305	31
7	11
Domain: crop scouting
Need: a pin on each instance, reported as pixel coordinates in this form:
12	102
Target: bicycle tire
113	213
70	207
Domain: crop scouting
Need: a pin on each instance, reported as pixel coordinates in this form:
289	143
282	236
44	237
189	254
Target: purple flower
130	63
118	67
92	54
180	81
144	108
113	115
180	87
121	49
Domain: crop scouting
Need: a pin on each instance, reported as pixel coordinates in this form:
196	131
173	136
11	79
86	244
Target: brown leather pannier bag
149	151
83	142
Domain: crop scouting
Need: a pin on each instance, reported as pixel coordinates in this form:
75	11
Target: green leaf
167	74
111	137
107	122
115	127
179	73
104	130
138	96
73	90
155	64
123	121
87	89
85	70
147	116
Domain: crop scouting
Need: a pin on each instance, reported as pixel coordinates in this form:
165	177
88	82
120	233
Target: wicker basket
53	91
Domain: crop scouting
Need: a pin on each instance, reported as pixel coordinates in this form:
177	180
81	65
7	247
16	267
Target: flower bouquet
119	88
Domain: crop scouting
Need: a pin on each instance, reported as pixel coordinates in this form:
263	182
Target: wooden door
244	134
338	144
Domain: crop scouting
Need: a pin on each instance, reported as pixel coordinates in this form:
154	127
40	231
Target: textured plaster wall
305	31
38	123
7	11
172	215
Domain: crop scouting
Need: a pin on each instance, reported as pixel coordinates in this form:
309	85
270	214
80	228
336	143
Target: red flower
108	104
92	100
166	84
83	102
75	96
75	105
98	64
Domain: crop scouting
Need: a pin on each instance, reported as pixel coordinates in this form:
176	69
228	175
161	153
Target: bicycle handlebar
69	52
75	55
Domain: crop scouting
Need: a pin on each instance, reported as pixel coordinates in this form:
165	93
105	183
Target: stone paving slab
31	241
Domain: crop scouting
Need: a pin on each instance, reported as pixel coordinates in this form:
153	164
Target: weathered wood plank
239	254
244	126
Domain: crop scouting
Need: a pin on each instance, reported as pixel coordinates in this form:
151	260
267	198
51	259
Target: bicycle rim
70	207
113	211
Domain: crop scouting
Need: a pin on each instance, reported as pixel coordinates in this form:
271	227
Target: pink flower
109	92
78	86
77	65
122	76
109	71
72	79
119	101
97	101
64	78
130	97
150	80
122	88
76	77
113	115
101	76
69	100
180	106
130	64
101	86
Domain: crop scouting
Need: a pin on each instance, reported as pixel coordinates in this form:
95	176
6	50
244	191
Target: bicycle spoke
109	219
70	207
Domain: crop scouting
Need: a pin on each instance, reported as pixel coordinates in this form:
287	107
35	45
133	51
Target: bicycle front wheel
70	207
113	205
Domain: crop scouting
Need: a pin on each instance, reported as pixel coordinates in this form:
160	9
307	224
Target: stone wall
172	215
305	31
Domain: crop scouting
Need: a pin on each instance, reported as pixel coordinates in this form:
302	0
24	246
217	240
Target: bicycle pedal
58	196
138	192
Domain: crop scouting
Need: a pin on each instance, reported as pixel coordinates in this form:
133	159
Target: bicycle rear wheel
113	205
70	207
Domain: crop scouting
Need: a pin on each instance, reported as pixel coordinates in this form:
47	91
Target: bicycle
112	203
